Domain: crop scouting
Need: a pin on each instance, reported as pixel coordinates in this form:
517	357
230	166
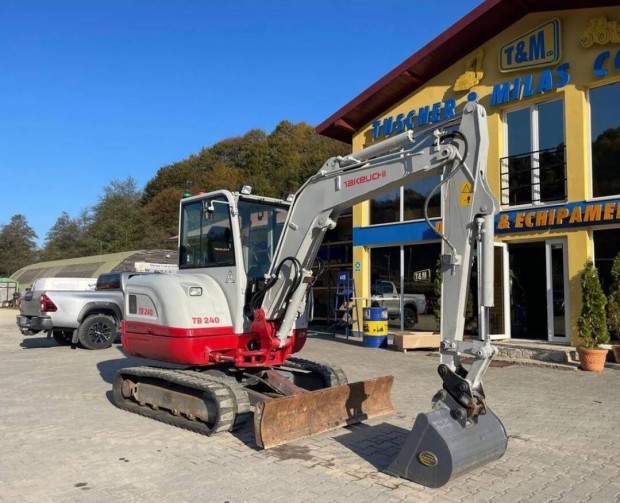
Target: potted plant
592	322
613	306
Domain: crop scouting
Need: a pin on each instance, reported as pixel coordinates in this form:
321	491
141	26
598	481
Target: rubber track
231	400
332	375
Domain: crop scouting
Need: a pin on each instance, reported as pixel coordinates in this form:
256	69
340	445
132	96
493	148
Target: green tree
61	239
162	217
297	152
119	221
613	300
592	322
18	247
273	164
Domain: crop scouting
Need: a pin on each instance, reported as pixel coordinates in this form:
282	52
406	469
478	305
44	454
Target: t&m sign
537	48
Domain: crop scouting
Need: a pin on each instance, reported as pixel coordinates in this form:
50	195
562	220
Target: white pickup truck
90	318
386	294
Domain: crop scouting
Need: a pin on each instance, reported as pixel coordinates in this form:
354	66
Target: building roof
92	266
486	21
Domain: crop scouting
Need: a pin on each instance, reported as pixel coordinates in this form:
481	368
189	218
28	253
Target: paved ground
61	440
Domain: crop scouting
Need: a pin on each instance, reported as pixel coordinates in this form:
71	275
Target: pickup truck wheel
410	317
62	337
97	332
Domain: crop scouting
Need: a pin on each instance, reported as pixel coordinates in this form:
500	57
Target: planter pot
592	359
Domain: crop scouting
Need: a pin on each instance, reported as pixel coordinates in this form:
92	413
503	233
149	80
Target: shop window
535	169
419	264
414	196
606	246
605	128
387	208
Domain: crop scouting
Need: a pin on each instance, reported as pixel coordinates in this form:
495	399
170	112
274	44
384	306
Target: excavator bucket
441	447
283	420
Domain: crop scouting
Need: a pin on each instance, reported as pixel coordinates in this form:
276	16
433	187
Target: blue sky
96	90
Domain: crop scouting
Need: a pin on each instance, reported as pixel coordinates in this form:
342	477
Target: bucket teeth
283	420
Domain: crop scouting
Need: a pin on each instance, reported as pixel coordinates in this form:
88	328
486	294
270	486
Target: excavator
229	322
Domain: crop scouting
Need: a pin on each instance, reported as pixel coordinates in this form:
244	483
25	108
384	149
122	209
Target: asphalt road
62	440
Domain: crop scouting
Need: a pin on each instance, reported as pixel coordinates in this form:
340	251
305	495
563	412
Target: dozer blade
440	448
283	420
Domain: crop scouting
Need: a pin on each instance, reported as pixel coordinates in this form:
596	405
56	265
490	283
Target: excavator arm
461	432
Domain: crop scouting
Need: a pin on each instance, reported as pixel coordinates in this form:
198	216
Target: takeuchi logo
537	48
365	178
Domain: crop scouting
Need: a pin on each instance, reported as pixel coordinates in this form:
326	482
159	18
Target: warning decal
465	194
230	278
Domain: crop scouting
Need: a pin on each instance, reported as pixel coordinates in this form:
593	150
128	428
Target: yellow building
549	78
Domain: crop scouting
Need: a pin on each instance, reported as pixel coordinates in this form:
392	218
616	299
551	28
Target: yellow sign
537	48
466	192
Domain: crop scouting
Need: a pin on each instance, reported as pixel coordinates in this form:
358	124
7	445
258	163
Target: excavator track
217	404
332	376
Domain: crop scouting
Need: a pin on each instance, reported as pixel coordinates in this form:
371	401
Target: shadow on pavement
39	342
378	445
339	336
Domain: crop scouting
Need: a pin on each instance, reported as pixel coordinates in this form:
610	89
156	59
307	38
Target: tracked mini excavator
237	311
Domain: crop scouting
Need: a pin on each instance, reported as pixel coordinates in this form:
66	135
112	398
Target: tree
297	152
592	322
162	217
613	300
118	218
61	239
18	247
273	164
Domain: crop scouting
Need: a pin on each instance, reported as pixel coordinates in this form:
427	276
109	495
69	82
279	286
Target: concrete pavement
61	439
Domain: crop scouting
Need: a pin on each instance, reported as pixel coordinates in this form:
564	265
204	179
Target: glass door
557	297
499	315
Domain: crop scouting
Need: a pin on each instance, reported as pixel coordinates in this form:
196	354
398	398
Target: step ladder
345	307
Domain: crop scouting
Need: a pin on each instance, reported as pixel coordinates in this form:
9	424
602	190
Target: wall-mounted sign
581	214
540	219
473	73
154	267
440	111
600	63
600	31
537	48
529	85
423	276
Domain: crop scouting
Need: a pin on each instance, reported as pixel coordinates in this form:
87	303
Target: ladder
345	309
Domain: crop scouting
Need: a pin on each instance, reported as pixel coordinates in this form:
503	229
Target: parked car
386	294
90	318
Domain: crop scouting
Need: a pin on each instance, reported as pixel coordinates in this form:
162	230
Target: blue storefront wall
538	219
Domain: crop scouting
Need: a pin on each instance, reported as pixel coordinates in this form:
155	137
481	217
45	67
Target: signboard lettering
539	47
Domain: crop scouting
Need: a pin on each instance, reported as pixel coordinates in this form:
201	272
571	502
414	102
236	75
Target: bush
613	300
592	322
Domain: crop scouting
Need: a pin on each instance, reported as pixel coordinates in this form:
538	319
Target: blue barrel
375	327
